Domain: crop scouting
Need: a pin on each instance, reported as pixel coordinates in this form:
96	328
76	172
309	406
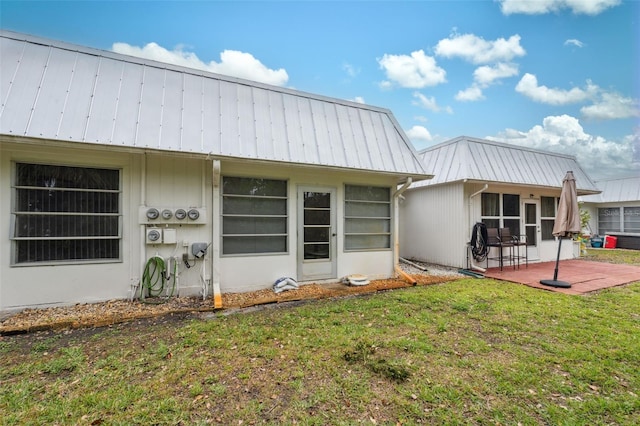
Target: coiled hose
154	280
479	248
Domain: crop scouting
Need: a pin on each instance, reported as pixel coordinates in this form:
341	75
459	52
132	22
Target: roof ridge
137	60
495	143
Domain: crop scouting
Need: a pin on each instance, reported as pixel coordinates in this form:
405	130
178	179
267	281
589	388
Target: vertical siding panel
433	225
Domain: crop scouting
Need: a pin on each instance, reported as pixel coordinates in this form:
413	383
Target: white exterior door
316	233
532	227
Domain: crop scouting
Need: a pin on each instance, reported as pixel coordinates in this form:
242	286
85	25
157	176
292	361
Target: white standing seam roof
617	190
53	90
479	160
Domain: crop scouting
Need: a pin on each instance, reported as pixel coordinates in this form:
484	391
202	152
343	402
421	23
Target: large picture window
254	216
631	219
619	219
367	217
609	220
501	211
64	213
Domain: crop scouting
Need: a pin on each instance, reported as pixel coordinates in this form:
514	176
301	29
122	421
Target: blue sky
559	75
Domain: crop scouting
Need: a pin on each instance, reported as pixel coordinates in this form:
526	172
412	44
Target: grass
465	352
630	257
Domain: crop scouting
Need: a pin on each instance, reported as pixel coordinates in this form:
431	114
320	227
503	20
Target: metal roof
58	91
617	190
479	160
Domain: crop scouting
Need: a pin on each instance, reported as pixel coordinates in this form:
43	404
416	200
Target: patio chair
495	240
517	241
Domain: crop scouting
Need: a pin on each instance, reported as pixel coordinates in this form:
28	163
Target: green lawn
474	351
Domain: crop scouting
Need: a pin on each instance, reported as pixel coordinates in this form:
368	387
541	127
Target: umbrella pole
554	282
555	271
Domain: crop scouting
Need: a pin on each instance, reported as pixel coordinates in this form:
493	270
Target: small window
495	215
632	219
609	220
254	216
65	213
547	216
490	204
367	217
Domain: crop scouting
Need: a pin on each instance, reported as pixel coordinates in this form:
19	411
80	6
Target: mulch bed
118	311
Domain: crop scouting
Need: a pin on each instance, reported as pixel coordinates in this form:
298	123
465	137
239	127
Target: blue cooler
596	242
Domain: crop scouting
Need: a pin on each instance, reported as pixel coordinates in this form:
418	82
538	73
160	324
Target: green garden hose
154	280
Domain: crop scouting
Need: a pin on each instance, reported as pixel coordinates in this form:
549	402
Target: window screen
632	219
367	217
64	213
254	215
609	220
547	216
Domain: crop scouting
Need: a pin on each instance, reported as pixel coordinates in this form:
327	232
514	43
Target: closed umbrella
567	222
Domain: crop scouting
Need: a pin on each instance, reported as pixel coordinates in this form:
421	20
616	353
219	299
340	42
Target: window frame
383	219
606	230
227	196
15	239
501	217
624	221
547	219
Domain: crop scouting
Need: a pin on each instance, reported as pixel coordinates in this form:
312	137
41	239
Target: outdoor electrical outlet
185	257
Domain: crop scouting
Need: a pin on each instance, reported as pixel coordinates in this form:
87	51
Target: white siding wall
250	273
169	181
22	286
433	225
436	222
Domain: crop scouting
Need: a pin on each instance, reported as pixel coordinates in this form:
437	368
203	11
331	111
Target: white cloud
598	156
528	86
232	62
419	134
612	106
537	7
573	42
358	99
429	103
470	94
486	75
605	105
415	71
477	50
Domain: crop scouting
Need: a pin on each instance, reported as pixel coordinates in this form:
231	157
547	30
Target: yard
471	351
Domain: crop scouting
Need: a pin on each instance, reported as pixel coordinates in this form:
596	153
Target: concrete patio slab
583	275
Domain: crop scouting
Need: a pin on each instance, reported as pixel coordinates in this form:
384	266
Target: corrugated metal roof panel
618	190
465	158
58	91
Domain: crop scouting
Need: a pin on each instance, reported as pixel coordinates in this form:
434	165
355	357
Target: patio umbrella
567	222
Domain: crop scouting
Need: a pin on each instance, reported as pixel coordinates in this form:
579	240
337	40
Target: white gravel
432	269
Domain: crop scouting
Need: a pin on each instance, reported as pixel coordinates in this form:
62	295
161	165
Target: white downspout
143	227
471	197
215	236
396	231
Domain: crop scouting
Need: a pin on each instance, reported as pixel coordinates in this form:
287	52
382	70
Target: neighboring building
616	211
107	161
483	181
